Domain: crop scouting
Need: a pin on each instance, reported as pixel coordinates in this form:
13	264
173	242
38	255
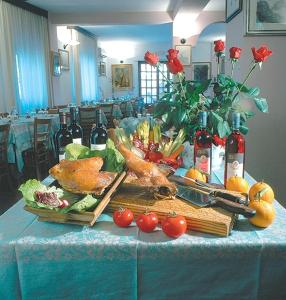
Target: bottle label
234	165
97	146
203	160
77	141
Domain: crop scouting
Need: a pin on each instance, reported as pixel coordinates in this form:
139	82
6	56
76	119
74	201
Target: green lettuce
113	160
77	203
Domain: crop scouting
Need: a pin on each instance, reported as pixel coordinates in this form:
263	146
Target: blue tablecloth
54	261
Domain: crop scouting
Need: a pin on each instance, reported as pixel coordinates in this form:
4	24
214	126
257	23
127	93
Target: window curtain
25	59
88	68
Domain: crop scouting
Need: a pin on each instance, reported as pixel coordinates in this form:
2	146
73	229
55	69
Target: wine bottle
203	147
63	137
98	136
234	151
75	129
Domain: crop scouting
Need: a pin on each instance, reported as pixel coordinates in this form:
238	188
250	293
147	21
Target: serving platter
82	218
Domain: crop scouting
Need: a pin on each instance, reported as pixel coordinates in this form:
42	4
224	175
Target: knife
206	200
211	189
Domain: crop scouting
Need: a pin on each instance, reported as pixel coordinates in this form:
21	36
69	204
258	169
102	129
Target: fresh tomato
174	163
123	217
155	156
174	225
147	222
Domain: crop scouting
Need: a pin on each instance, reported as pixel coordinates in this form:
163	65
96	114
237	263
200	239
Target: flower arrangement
180	106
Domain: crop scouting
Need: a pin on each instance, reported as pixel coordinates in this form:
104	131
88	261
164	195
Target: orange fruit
261	191
195	174
237	184
265	213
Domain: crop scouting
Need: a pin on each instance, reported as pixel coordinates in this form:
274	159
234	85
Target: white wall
105	83
62	85
266	146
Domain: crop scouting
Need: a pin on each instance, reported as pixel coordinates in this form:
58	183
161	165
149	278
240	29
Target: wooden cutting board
138	199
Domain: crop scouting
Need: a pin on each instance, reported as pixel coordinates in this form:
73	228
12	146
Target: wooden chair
38	157
3	115
4	166
53	111
107	109
87	117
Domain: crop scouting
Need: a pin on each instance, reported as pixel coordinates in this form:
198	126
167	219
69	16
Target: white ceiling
215	5
213	32
136	33
67	6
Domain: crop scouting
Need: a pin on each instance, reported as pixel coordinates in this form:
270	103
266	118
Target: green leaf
243	129
227	128
221	129
261	104
249	114
254	92
217	117
161	108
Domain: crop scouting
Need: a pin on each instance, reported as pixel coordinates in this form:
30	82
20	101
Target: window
152	82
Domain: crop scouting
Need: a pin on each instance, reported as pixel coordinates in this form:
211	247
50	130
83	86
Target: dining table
21	135
41	260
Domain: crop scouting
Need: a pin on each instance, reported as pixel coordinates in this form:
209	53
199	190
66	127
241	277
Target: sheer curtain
88	67
25	47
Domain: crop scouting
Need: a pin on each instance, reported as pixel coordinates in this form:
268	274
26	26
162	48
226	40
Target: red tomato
123	217
174	226
147	221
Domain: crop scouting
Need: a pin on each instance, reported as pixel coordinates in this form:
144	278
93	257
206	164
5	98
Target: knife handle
235	207
228	196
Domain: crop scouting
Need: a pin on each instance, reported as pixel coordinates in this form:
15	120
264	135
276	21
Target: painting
122	76
185	52
232	8
102	69
55	63
64	59
201	71
266	17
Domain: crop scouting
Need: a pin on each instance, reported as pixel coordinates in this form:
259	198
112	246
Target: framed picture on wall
102	69
55	63
185	53
64	59
267	17
232	8
122	77
201	71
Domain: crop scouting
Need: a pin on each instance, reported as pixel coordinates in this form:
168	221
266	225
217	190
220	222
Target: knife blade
205	200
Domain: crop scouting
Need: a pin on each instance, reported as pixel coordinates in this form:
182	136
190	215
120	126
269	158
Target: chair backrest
107	109
42	129
61	106
3	115
4	135
53	111
87	116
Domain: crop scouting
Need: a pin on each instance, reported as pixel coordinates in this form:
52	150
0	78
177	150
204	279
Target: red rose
234	52
219	46
175	66
173	53
261	54
151	58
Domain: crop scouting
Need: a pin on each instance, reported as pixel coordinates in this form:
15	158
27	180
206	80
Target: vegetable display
150	144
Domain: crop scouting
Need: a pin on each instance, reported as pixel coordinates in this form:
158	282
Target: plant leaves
254	92
243	129
221	129
261	104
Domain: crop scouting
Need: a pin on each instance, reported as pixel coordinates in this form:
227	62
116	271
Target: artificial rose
219	46
151	58
173	53
234	52
261	54
175	66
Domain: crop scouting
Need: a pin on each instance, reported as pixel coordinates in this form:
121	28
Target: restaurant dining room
142	149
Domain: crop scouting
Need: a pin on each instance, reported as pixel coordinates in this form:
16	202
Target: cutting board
210	220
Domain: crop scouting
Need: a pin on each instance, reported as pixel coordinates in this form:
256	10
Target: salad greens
78	203
113	160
